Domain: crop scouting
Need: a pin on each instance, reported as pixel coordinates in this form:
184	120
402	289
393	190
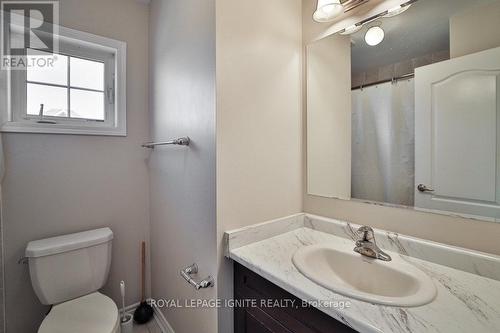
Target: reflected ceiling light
351	29
374	36
397	10
327	10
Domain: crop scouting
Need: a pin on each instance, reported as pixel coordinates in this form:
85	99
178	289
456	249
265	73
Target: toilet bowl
94	313
67	272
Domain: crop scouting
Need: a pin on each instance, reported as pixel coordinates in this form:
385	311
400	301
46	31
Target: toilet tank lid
65	243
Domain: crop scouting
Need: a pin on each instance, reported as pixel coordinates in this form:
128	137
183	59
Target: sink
338	268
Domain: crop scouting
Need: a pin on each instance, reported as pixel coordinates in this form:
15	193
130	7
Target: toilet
67	272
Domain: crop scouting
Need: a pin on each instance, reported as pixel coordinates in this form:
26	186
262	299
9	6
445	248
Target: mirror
402	109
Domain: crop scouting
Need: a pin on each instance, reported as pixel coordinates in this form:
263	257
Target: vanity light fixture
397	10
374	36
327	10
351	29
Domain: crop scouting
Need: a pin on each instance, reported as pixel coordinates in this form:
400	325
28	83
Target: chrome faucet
367	246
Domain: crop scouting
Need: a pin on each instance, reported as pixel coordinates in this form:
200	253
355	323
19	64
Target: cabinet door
254	320
457	135
287	318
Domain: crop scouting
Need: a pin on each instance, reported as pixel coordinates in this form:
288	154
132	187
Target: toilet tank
69	266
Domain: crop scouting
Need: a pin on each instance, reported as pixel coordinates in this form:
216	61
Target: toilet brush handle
143	271
122	291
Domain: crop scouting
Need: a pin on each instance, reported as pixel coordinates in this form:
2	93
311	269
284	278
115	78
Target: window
73	88
81	92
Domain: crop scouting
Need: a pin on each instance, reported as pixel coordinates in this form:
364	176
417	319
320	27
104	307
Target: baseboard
162	321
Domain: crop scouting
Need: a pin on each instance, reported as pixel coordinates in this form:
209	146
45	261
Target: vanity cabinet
262	307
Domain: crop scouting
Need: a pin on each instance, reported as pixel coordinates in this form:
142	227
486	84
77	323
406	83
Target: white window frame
82	45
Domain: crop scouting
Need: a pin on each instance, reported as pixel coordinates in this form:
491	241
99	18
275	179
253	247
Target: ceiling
421	30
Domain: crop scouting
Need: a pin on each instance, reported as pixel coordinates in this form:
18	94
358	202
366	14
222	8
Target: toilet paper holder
193	269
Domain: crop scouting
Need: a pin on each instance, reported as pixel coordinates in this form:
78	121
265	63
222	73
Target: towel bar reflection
184	141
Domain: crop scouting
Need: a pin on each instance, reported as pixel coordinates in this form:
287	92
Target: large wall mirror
404	109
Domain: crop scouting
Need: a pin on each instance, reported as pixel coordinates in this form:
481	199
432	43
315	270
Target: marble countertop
468	298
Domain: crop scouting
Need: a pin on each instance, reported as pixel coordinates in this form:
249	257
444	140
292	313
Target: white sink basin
338	268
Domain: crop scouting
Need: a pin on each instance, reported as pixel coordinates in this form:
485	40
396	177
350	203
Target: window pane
87	74
87	104
54	100
49	68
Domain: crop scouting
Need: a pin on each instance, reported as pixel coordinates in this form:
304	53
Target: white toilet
66	272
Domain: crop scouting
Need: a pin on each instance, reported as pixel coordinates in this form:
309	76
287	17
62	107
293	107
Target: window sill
25	127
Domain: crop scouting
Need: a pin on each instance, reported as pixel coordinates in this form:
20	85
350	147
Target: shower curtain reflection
383	143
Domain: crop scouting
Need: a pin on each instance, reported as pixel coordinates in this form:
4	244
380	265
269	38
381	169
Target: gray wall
182	179
57	184
2	290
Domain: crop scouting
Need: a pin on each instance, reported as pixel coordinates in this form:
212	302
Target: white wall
259	174
329	117
57	184
182	179
475	30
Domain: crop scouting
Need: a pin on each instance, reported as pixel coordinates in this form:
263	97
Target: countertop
468	294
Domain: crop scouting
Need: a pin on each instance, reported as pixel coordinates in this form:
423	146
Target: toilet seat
94	313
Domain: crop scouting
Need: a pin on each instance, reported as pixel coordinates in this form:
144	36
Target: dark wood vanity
264	307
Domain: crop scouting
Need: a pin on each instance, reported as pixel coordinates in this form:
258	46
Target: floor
151	327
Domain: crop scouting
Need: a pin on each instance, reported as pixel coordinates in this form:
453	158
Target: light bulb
327	10
374	36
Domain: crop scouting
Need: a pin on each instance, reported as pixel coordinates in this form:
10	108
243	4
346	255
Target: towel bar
184	141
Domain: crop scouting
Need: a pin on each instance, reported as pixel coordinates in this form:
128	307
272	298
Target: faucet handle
367	233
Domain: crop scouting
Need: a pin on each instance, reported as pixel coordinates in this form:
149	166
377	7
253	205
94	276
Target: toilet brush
126	319
144	311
